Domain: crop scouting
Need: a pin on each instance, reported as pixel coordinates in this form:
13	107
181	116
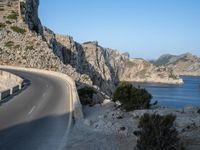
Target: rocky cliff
139	70
22	45
185	64
25	42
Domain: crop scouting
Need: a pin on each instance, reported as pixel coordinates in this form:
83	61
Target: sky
144	28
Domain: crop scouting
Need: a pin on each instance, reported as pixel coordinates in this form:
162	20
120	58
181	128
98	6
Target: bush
86	95
16	46
13	16
30	47
9	44
8	22
2	25
157	133
18	29
132	98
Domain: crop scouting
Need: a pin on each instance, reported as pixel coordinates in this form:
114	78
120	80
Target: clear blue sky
144	28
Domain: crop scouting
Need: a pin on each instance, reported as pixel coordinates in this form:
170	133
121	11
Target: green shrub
9	44
157	133
18	29
16	46
132	98
2	25
12	16
86	95
30	47
8	22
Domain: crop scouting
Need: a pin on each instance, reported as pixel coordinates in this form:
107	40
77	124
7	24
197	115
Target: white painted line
31	110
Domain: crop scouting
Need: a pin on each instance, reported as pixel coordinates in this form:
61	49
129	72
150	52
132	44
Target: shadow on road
45	133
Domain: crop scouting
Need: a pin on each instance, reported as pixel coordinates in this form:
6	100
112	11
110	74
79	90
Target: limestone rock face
185	64
95	62
139	70
88	58
31	15
29	48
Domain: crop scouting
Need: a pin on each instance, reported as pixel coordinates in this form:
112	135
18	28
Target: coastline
104	121
190	75
152	81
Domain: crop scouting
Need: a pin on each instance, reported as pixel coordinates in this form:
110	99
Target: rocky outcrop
167	59
139	70
88	58
185	64
29	13
24	47
25	42
108	119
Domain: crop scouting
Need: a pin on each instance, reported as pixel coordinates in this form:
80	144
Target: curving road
38	117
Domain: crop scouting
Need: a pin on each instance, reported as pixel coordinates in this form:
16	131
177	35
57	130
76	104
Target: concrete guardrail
11	90
76	107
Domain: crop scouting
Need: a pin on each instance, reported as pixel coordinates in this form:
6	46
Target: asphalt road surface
36	118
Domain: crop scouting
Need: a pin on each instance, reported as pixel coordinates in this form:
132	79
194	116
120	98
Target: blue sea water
176	96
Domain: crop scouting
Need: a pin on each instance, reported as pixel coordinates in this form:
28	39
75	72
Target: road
37	118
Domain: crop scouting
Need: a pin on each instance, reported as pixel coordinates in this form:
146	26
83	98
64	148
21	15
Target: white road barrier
13	88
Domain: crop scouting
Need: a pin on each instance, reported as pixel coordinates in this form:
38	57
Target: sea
175	96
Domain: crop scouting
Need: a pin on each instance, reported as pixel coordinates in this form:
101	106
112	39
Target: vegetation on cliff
13	16
18	29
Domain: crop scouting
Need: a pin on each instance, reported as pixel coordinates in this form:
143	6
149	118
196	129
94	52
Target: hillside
26	42
185	64
167	59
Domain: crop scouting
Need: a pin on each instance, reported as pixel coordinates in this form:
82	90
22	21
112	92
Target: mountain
185	64
140	70
168	59
26	42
